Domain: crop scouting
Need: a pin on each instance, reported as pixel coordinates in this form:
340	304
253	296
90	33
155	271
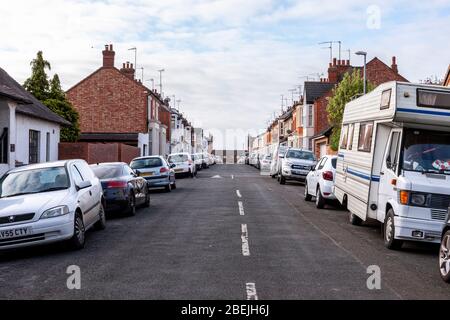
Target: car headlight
418	199
55	212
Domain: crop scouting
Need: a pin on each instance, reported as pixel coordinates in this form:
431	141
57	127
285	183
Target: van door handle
381	173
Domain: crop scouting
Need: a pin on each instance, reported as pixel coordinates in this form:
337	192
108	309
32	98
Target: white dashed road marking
232	177
251	291
244	238
241	208
238	193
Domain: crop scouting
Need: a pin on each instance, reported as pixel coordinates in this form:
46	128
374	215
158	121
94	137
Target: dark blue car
123	189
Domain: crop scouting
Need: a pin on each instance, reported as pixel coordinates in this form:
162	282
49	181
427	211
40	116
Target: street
199	242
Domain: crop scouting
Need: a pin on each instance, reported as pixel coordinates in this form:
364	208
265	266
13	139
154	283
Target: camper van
394	161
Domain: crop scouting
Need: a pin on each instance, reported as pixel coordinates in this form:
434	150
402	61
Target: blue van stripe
364	175
430	112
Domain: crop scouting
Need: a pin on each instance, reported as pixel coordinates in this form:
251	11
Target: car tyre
444	257
282	179
389	231
174	186
147	199
101	223
131	208
307	196
320	200
168	188
78	239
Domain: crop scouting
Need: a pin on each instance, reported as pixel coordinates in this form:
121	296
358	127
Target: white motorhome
394	161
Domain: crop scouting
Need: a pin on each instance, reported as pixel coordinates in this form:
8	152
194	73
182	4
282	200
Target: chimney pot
348	62
108	56
334	61
394	64
339	62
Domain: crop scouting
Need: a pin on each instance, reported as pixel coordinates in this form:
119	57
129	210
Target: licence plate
15	233
300	173
146	174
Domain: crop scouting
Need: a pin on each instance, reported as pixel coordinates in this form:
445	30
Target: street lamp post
362	53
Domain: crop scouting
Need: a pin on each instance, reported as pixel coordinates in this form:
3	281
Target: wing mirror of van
83	185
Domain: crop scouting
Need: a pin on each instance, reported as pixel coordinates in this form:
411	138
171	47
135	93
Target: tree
351	85
38	84
52	95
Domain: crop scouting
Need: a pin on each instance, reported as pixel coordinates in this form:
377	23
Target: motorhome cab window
344	137
433	99
352	133
426	151
365	136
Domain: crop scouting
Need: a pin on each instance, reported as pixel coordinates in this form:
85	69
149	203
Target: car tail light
163	170
327	175
116	184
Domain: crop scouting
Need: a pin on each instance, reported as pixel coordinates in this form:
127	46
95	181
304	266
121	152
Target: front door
388	175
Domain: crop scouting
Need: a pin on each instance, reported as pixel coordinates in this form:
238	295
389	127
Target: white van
394	161
278	155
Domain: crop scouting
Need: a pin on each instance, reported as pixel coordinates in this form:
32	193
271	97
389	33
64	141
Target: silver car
156	170
296	165
49	202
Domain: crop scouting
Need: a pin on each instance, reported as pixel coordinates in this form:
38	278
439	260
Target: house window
47	150
34	146
344	135
4	146
310	116
144	152
365	136
301	117
150	141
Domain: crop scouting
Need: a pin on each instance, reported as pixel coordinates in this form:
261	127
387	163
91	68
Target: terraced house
114	107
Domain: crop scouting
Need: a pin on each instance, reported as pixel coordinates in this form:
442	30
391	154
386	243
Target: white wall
155	133
143	139
24	124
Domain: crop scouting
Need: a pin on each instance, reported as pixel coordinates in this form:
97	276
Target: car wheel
320	200
389	232
131	208
192	174
174	186
307	196
168	188
101	223
78	239
355	220
147	199
282	179
444	257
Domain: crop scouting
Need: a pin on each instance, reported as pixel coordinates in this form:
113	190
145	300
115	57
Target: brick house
377	72
116	108
447	78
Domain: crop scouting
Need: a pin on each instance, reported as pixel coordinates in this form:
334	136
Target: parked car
183	164
219	160
296	165
123	189
205	162
197	161
444	253
320	181
156	170
278	155
253	159
266	162
50	202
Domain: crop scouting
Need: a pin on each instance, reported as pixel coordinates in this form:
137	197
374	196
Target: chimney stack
128	70
108	56
394	65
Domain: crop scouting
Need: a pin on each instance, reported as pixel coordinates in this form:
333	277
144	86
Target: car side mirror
84	185
313	169
137	172
172	165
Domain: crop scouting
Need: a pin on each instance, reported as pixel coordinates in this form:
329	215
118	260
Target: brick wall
127	153
320	113
108	101
97	152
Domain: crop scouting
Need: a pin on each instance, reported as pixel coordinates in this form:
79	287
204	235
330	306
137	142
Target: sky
228	61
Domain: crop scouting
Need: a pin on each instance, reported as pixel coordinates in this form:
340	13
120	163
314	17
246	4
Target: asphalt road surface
199	242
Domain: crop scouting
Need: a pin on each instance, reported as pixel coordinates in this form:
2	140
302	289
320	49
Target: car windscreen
334	162
177	158
301	155
34	181
107	171
146	163
426	151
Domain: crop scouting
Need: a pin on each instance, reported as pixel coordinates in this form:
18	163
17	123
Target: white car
320	181
49	202
183	164
296	164
266	161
